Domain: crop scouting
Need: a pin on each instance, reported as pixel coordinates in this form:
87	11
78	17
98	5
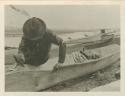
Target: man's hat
34	29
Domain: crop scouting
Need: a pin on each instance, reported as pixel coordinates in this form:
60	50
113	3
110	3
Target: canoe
91	44
23	81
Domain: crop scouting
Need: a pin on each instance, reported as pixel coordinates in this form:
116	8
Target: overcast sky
68	17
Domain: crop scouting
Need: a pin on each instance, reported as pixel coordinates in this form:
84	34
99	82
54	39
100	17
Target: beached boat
23	80
76	45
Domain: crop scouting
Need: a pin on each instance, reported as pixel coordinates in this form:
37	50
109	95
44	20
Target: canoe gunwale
90	42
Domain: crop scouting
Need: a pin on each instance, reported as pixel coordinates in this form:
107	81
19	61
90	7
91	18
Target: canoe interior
23	80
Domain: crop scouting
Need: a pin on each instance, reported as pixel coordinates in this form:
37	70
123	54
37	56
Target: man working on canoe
36	42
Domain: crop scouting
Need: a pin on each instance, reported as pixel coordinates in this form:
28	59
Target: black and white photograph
62	48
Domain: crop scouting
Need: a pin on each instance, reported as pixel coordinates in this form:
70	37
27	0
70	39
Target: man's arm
62	46
62	52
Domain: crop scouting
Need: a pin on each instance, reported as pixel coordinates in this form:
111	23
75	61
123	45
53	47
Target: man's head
34	29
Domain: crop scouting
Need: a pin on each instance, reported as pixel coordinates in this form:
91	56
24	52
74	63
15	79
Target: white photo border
2	73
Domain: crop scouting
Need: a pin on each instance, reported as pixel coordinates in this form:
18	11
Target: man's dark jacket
36	52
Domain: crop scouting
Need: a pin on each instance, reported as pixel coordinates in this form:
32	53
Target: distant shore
18	32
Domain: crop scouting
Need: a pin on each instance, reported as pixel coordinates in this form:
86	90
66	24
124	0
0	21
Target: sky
67	17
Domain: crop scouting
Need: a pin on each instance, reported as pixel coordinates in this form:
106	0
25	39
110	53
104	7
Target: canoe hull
23	81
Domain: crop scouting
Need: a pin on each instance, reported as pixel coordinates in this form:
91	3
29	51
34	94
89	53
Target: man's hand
57	66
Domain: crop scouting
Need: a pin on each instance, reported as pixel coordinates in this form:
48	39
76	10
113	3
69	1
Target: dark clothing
36	52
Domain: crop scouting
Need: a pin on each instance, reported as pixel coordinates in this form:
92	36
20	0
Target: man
36	42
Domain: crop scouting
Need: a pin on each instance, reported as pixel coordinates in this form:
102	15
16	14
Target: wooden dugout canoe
90	45
22	81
